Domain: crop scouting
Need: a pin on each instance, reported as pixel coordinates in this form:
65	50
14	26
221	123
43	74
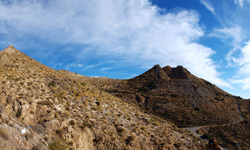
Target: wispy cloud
103	69
208	5
91	66
135	31
233	33
241	2
68	66
243	63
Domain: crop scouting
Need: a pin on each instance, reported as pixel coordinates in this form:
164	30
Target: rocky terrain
163	108
190	102
41	108
176	94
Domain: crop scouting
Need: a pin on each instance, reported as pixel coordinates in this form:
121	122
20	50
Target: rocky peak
177	73
157	73
167	69
10	50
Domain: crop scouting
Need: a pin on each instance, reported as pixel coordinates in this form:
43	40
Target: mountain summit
165	73
177	73
10	50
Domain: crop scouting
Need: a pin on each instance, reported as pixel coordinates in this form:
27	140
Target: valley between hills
162	109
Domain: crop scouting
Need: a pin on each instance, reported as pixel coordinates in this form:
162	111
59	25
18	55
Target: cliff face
41	108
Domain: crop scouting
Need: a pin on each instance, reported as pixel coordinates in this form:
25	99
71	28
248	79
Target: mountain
176	94
190	102
42	108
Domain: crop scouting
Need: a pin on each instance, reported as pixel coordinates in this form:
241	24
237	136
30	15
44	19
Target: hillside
41	108
176	94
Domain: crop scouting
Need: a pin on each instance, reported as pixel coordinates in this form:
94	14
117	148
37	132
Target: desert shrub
67	113
98	103
4	134
197	108
59	132
120	129
130	139
52	83
36	147
174	95
145	89
45	102
207	136
72	122
57	115
219	98
59	144
177	144
88	124
143	128
152	85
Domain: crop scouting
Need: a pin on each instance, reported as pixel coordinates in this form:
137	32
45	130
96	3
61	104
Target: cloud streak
208	6
135	31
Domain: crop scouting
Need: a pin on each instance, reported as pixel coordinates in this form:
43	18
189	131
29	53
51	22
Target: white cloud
244	55
104	69
208	5
67	67
241	2
243	63
244	82
132	29
234	33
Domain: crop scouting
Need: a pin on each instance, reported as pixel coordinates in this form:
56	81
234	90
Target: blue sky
124	38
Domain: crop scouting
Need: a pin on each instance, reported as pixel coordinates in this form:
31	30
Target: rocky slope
41	108
188	101
176	94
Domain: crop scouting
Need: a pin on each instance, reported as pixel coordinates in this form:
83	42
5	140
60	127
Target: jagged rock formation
41	108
